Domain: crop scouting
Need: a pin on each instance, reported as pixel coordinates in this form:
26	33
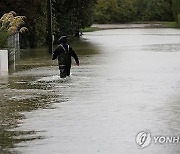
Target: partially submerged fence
9	56
13	41
14	46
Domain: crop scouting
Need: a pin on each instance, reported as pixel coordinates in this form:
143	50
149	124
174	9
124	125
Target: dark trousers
65	71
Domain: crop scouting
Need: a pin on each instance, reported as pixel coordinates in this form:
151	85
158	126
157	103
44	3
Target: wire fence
14	47
13	41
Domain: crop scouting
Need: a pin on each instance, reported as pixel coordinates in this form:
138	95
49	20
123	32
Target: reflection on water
128	81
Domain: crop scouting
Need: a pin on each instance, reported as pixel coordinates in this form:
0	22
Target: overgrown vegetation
10	23
176	10
121	11
3	38
35	12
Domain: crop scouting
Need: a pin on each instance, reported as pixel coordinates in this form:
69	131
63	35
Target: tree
71	16
108	11
158	10
127	10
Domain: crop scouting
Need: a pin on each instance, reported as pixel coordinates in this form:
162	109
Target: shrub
3	38
179	20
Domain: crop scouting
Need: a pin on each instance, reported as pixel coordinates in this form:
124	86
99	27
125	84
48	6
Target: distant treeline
121	11
70	16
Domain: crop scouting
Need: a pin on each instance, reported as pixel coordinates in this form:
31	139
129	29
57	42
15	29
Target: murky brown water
128	81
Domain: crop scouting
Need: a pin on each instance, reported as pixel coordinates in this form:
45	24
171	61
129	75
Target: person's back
64	57
64	52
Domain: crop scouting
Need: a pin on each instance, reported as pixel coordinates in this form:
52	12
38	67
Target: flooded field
128	81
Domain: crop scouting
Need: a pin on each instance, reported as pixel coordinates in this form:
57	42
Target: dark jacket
64	52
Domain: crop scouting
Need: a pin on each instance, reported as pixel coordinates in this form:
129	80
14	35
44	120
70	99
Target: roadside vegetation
3	39
72	17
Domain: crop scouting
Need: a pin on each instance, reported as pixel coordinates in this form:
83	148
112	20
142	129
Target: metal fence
13	47
13	41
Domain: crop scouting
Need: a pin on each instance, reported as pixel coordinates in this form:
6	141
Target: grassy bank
161	24
151	24
171	25
90	29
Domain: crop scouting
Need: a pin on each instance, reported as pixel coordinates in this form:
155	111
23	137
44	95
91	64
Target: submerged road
128	82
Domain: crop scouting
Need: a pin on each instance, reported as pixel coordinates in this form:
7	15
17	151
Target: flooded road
128	81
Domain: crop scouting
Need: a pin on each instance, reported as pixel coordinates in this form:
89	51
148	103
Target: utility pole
49	20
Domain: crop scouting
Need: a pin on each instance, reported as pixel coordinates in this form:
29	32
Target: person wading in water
64	52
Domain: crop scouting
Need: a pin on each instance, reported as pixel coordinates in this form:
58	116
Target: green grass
163	24
160	24
170	24
90	29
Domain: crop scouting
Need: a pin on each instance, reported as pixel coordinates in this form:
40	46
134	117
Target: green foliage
158	10
170	24
36	22
176	10
108	11
40	23
90	29
120	11
105	10
179	20
3	38
71	16
126	12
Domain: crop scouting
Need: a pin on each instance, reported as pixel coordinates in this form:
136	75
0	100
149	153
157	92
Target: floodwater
128	81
